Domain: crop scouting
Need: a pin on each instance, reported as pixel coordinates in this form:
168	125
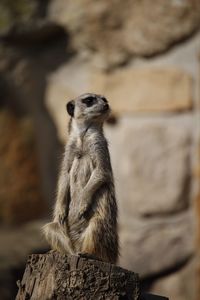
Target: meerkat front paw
62	217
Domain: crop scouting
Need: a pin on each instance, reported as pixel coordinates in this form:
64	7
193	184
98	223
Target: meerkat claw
62	219
81	215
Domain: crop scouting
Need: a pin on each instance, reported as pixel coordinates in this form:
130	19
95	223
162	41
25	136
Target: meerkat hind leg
57	238
89	244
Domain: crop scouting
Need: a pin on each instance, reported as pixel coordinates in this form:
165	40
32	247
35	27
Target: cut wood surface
56	276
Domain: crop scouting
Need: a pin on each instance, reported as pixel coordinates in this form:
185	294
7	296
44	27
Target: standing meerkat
85	213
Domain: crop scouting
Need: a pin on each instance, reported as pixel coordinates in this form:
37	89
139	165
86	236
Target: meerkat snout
106	107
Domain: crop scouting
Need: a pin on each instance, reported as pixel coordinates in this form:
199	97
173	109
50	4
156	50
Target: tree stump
56	276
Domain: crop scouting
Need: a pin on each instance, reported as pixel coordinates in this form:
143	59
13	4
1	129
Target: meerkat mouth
105	108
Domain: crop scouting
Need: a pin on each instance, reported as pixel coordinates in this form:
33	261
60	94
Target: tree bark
56	276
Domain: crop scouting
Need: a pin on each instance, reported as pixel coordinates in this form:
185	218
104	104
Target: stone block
152	164
145	90
20	193
114	31
179	285
153	246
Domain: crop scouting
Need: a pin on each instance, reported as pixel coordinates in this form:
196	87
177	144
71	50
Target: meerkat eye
89	101
104	99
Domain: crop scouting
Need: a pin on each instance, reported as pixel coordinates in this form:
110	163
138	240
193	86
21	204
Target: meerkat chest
80	173
82	167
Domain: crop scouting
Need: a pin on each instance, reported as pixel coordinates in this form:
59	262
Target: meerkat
85	213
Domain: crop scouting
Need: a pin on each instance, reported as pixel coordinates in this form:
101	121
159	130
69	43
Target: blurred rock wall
144	56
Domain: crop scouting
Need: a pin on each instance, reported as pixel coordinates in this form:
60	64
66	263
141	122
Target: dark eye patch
89	101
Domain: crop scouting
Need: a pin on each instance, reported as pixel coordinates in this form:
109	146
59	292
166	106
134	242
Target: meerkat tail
57	238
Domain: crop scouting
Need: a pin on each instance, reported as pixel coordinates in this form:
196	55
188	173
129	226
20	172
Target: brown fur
85	214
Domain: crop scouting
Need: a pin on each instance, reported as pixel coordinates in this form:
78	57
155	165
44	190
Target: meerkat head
89	108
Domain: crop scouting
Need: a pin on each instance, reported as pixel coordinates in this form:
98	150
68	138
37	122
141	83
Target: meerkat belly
79	176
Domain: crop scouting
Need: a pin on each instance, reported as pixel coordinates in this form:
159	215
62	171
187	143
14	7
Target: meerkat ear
70	108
